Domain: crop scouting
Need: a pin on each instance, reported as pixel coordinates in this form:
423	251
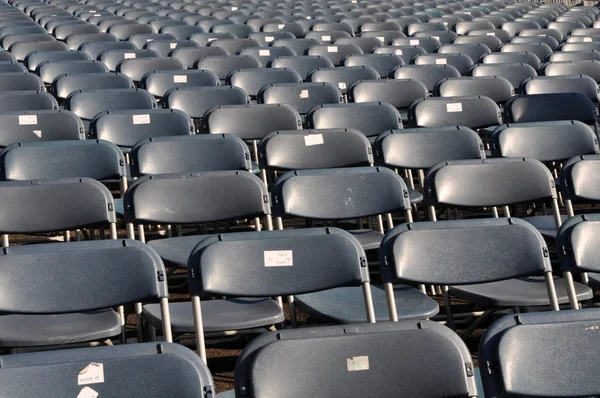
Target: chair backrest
88	103
188	154
575	56
126	127
487	183
127	369
578	179
300	46
514	73
136	68
474	51
111	58
513	58
542	50
429	75
314	149
399	93
562	68
50	70
140	39
343	76
159	82
64	85
483	250
37	57
497	88
423	148
348	360
196	198
41	125
335	52
54	205
461	62
188	55
337	194
302	64
93	50
301	96
493	41
547	107
95	159
473	112
370	118
429	44
11	67
253	80
265	54
26	101
406	52
223	65
20	81
544	141
562	84
108	273
22	49
196	101
251	122
513	344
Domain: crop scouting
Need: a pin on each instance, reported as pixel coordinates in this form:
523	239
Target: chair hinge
110	207
160	275
363	261
469	369
208	393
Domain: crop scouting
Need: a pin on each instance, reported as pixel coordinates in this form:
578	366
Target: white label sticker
141	119
309	17
435	37
148	40
441	61
211	39
414	42
279	258
313	139
281	26
178	79
91	374
398	52
490	34
172	45
326	38
97	15
92	11
354	1
27	119
587	39
234	8
445	22
304	94
129	55
381	38
455	107
264	53
332	49
269	38
356	364
38	133
342	85
87	392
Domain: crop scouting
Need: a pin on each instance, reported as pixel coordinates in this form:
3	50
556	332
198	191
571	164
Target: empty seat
428	44
542	32
125	31
334	52
407	53
514	73
252	80
343	77
429	75
140	40
514	58
232	46
64	85
50	70
196	101
497	88
589	68
20	50
7	41
300	46
575	56
540	49
473	51
93	50
135	69
265	54
11	66
188	56
513	28
474	112
399	93
75	41
223	65
492	42
26	101
327	37
547	40
39	125
111	58
127	127
301	96
164	48
181	32
366	44
301	64
37	57
371	118
562	84
461	62
385	37
159	82
382	63
88	103
19	81
546	107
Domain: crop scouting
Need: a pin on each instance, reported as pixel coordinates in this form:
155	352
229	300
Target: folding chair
562	84
589	68
493	41
428	347
187	375
140	40
428	44
17	81
461	62
253	80
26	101
159	82
497	88
266	54
301	96
111	58
39	125
514	73
335	52
474	112
382	63
513	58
507	372
224	65
299	46
343	77
473	51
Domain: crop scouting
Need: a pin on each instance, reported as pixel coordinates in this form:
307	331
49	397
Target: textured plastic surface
382	63
546	107
251	122
400	93
135	69
223	65
318	149
301	96
545	141
185	154
423	148
252	80
338	194
579	179
301	64
589	68
150	362
188	56
371	118
95	159
493	42
88	103
490	182
196	198
474	51
50	70
514	73
20	50
461	62
35	58
542	50
406	52
111	58
513	58
473	112
20	81
236	264
265	54
51	125
93	50
562	84
359	360
159	82
413	252
496	88
343	76
429	75
26	101
335	52
64	85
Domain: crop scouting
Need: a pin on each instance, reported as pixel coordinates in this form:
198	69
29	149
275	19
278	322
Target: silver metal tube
551	290
198	327
368	299
391	301
448	305
130	231
141	233
571	290
556	213
138	322
166	317
113	230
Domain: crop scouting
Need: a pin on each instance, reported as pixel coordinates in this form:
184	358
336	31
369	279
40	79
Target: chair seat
414	196
545	224
368	238
219	315
176	251
345	304
517	292
46	330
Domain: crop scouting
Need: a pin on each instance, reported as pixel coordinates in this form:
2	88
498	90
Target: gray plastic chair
428	44
382	63
266	54
407	53
26	101
514	73
252	80
300	46
561	68
136	68
302	64
461	62
429	75
41	125
474	112
224	65
37	57
151	362
301	96
111	58
164	48
427	349
493	41
335	52
513	345
140	39
93	50
50	70
562	84
575	56
513	58
159	82
474	51
343	77
22	49
188	56
20	81
64	85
